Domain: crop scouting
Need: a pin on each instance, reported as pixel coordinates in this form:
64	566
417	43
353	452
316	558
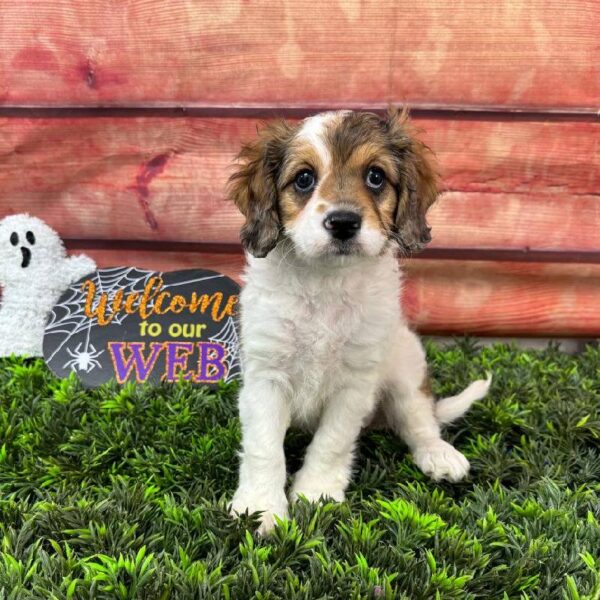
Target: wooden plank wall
119	122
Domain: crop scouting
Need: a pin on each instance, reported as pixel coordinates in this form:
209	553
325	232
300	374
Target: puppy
327	203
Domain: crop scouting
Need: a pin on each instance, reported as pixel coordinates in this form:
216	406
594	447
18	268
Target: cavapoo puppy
327	204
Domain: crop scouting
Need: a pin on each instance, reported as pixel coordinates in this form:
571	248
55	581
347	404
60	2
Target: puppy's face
337	184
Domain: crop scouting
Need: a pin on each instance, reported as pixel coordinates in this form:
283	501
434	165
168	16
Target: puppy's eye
14	238
30	237
375	178
305	181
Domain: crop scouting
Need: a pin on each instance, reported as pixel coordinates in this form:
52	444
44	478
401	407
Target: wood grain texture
448	297
504	299
513	184
213	53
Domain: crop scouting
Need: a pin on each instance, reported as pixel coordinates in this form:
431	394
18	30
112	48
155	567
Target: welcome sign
129	324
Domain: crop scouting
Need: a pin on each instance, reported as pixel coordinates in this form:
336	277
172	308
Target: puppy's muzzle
342	224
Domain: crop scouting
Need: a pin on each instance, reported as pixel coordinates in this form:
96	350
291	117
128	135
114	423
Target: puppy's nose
342	224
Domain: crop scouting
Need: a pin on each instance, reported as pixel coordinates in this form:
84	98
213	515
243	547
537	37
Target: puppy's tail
451	408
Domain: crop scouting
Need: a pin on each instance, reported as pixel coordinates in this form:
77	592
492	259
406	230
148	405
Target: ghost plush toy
34	271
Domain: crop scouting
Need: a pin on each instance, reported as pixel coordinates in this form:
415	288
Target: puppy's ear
417	182
253	187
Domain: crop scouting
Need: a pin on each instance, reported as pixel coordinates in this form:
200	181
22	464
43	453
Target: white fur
454	407
307	232
312	130
28	294
325	347
313	240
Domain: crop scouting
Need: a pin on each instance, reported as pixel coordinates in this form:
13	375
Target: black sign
129	324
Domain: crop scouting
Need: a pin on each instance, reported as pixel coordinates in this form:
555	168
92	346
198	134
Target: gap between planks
440	253
440	111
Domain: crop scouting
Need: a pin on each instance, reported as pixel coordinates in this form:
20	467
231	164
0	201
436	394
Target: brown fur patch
408	165
300	155
357	141
425	386
418	187
263	188
253	186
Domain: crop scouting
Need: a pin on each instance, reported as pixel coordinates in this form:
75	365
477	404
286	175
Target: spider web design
68	318
227	336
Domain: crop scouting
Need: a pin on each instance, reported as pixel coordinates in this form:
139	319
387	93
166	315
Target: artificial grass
121	493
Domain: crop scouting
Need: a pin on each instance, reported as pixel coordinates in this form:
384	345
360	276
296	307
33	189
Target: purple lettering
176	362
211	367
135	363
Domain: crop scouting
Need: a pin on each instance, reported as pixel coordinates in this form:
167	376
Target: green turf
122	494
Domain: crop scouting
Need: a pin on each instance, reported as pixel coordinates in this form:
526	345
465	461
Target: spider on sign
83	361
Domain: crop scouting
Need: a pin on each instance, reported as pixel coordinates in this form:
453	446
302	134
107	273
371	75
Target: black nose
342	224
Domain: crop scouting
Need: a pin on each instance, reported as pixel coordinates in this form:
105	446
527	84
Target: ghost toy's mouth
26	252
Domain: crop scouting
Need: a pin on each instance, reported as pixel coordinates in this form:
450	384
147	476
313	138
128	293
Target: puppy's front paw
441	460
314	490
269	505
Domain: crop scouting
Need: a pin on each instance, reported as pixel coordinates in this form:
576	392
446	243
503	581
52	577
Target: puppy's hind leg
412	412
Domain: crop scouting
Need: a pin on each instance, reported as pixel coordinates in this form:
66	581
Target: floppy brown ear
253	188
417	182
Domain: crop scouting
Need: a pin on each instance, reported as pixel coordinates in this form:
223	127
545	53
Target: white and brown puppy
327	203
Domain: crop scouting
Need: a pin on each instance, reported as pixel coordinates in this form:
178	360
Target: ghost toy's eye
14	238
30	237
